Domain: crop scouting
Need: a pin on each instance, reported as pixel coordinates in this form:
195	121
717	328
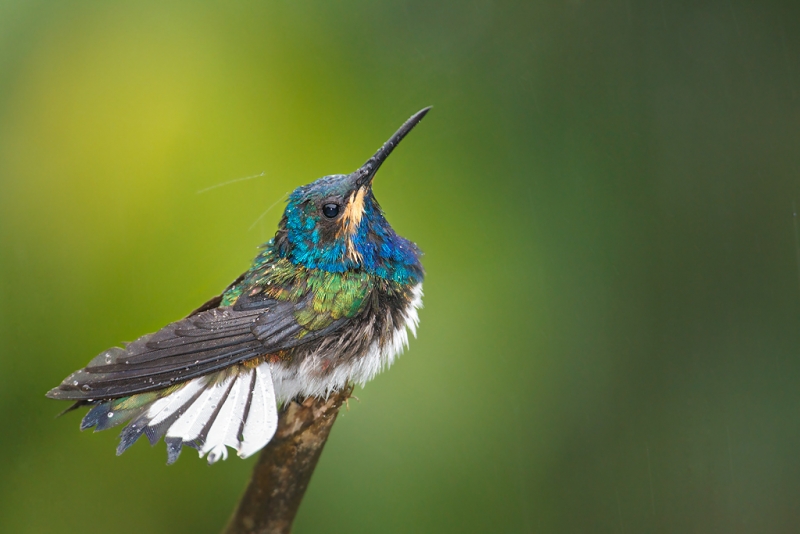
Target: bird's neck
373	248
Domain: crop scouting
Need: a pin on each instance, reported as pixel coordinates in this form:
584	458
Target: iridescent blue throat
380	251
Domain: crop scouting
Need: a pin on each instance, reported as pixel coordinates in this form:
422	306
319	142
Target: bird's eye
330	210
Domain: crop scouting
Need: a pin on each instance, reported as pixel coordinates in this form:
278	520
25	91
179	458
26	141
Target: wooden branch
284	467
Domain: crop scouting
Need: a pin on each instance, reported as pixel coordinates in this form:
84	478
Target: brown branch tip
284	468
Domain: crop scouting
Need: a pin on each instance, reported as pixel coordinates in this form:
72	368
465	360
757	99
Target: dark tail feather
75	406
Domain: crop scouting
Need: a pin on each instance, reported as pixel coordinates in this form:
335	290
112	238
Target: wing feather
201	344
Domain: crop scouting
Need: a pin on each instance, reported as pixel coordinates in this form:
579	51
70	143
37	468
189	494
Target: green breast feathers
326	296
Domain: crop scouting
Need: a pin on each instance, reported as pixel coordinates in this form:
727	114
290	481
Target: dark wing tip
68	392
55	393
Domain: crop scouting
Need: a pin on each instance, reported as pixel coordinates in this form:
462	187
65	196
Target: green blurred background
604	192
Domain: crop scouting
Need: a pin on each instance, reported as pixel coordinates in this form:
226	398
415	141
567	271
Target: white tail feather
189	425
214	413
214	444
231	437
163	408
262	421
206	411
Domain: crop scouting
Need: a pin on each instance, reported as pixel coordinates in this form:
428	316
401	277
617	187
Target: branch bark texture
284	467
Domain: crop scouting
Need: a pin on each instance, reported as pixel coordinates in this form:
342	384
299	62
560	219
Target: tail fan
233	408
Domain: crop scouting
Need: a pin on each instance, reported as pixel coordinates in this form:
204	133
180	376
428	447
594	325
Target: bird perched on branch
327	302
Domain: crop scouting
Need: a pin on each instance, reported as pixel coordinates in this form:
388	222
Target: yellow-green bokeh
604	193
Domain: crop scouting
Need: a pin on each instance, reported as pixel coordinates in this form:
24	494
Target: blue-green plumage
377	249
327	302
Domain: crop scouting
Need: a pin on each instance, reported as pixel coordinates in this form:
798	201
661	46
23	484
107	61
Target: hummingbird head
335	223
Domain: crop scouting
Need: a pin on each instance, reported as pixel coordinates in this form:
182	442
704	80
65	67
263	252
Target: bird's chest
355	353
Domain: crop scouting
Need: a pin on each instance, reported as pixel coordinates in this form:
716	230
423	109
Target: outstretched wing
203	343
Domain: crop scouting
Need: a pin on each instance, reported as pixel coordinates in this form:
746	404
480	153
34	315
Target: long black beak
366	173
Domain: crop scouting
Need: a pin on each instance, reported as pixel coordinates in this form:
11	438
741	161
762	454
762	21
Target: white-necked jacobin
327	302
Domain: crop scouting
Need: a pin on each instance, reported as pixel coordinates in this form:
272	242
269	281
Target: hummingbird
328	301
